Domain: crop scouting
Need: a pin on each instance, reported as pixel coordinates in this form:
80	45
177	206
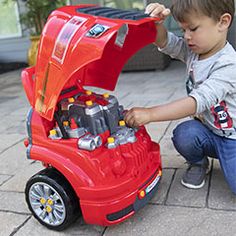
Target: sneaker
195	175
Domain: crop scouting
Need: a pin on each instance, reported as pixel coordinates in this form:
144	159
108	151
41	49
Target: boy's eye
194	29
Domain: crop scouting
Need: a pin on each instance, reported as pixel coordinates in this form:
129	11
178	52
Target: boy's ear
225	21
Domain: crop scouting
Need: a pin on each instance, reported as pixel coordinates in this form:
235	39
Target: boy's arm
160	11
172	111
161	39
168	43
175	110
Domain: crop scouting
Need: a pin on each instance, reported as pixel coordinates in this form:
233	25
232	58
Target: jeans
194	141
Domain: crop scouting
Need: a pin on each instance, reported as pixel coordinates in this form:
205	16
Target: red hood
70	57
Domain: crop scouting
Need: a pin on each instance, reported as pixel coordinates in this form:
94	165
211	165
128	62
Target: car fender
73	173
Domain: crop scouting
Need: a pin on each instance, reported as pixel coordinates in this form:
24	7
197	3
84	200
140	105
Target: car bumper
118	209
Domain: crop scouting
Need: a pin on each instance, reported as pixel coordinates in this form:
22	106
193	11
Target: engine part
89	142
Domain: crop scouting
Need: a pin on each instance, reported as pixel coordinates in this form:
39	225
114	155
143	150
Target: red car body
110	183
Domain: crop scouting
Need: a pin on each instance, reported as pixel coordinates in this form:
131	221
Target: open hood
86	45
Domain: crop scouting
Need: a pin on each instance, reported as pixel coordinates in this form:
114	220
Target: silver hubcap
47	203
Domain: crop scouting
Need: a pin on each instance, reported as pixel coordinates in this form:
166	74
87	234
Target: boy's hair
182	9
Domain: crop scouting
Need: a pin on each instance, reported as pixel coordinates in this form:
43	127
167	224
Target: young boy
210	84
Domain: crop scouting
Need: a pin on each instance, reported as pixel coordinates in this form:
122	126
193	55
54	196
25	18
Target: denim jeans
194	142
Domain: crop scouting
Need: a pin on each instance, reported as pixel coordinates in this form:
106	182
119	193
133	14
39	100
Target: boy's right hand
157	10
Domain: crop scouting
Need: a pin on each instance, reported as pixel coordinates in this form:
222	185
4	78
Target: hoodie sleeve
176	47
220	84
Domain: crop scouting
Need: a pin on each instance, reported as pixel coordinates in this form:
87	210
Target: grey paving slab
10	222
172	161
161	194
161	133
157	130
167	147
220	196
18	181
173	125
13	116
33	228
8	107
13	202
20	110
178	221
181	196
14	159
11	77
9	140
4	178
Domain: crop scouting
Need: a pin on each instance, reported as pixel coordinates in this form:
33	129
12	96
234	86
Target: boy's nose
187	35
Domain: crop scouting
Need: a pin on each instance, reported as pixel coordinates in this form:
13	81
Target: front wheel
51	199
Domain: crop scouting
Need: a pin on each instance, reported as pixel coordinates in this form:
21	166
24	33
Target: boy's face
203	35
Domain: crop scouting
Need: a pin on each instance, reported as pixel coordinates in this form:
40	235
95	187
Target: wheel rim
47	204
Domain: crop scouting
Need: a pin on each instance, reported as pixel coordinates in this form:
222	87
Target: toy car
95	166
222	117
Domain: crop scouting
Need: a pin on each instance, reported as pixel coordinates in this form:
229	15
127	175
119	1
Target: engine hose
60	125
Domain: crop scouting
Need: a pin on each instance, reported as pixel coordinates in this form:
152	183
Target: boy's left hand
137	116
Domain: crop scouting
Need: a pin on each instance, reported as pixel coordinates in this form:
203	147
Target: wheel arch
75	176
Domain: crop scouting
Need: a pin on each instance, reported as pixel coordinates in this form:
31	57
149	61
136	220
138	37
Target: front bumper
116	210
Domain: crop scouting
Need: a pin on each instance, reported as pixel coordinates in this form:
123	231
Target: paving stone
4	178
167	147
161	194
10	222
181	196
173	161
18	181
12	89
6	97
13	202
34	228
170	157
7	140
220	196
21	110
166	143
18	127
10	105
178	221
12	119
157	130
14	159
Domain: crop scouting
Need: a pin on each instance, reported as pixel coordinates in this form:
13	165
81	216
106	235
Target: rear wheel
51	199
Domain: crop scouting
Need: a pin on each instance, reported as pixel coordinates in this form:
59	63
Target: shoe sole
191	186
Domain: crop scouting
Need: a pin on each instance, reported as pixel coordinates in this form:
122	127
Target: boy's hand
157	10
137	116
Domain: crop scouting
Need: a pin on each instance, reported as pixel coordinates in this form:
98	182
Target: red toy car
96	166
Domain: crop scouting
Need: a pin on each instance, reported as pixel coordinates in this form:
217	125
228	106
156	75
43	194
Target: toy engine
88	116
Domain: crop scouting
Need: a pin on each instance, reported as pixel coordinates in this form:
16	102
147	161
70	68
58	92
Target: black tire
52	200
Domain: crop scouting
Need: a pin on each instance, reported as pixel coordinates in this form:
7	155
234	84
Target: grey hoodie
211	82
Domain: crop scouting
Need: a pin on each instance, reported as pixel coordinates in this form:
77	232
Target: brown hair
182	9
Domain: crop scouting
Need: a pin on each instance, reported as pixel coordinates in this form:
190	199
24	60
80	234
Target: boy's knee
183	133
184	136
